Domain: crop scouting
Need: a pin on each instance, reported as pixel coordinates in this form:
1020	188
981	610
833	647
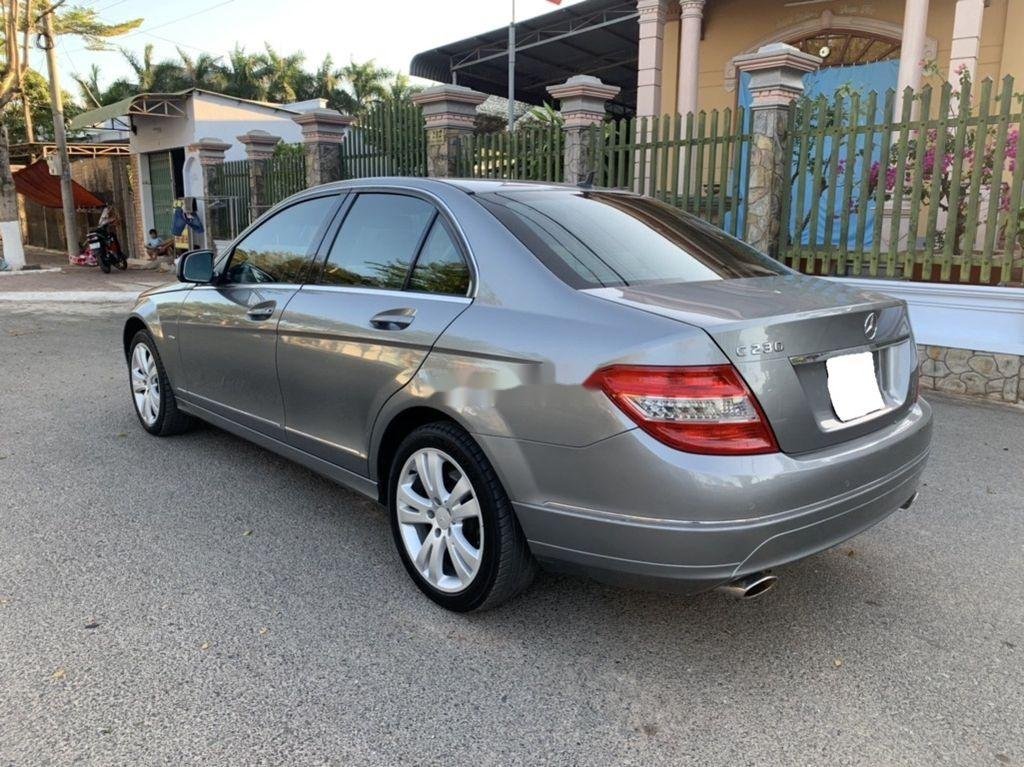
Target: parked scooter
102	244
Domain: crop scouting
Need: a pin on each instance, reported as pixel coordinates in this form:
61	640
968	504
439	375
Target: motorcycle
101	243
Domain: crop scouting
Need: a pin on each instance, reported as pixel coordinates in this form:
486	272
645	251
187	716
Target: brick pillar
210	153
776	80
323	131
259	147
582	100
449	112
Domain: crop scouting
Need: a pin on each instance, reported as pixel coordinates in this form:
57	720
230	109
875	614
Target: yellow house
671	56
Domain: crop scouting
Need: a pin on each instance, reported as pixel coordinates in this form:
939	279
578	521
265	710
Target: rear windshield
595	239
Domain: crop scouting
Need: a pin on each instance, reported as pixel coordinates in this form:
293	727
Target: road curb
70	296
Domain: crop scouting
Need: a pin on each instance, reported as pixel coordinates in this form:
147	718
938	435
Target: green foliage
37	91
266	75
85	23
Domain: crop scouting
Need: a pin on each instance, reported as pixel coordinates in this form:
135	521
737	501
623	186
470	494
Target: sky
389	31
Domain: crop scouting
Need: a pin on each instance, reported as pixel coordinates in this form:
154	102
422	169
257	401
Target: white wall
207	116
974	317
226	119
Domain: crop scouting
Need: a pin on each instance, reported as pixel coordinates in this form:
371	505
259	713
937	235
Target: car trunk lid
781	331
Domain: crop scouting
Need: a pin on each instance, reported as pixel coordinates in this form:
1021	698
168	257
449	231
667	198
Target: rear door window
378	241
603	239
440	267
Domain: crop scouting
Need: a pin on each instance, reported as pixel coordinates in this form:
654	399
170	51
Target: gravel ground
198	600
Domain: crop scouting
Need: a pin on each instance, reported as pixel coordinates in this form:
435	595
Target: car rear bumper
631	511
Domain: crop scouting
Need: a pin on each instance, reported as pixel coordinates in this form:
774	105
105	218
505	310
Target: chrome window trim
397	292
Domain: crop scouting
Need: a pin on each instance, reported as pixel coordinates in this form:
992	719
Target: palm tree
244	75
203	71
400	89
92	93
365	83
283	75
143	68
327	79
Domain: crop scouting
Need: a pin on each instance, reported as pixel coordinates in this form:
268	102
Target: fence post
776	81
323	130
259	147
210	153
582	99
449	112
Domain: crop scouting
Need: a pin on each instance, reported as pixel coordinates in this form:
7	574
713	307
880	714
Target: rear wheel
154	401
453	524
104	265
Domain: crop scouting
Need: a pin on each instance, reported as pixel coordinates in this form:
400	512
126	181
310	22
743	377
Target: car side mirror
196	267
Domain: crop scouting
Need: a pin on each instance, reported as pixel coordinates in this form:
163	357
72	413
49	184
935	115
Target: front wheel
453	524
122	262
151	391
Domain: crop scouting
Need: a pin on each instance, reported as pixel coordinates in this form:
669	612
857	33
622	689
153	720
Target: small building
678	56
163	130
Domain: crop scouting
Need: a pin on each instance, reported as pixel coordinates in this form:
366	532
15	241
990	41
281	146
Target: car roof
438	185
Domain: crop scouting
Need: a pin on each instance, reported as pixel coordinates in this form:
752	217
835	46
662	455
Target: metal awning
595	37
152	104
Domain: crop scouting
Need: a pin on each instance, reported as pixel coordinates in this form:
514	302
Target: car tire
504	568
151	390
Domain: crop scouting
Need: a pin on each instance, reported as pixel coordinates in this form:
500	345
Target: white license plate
853	385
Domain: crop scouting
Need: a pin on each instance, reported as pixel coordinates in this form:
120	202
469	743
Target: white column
966	39
692	13
915	26
648	71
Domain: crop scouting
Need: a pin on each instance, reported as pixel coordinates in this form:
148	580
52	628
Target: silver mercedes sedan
529	375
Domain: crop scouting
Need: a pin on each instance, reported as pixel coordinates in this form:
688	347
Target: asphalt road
197	600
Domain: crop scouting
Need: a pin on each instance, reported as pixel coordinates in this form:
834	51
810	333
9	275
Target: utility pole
26	107
512	70
60	136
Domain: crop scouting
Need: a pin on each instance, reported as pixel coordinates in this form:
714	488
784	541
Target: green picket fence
390	140
229	187
934	195
694	163
530	153
282	177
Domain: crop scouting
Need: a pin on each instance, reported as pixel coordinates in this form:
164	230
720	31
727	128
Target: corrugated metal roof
596	37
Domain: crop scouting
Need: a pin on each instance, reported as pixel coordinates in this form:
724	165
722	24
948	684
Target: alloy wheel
439	520
145	384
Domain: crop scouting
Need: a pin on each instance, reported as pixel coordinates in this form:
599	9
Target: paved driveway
199	601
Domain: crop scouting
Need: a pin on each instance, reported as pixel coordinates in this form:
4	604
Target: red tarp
36	183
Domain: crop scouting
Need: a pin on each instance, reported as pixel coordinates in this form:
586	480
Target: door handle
261	311
393	319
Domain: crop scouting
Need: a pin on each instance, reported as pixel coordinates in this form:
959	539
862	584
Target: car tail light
706	409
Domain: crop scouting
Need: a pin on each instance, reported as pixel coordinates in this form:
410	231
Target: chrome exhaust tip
910	501
750	586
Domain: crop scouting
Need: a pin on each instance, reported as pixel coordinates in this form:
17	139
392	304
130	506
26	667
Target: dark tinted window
595	239
440	267
279	249
378	241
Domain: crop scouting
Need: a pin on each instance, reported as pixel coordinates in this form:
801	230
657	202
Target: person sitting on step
156	246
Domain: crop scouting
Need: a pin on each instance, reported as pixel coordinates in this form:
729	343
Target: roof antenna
588	181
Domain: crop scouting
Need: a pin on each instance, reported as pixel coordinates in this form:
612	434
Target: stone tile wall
977	374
